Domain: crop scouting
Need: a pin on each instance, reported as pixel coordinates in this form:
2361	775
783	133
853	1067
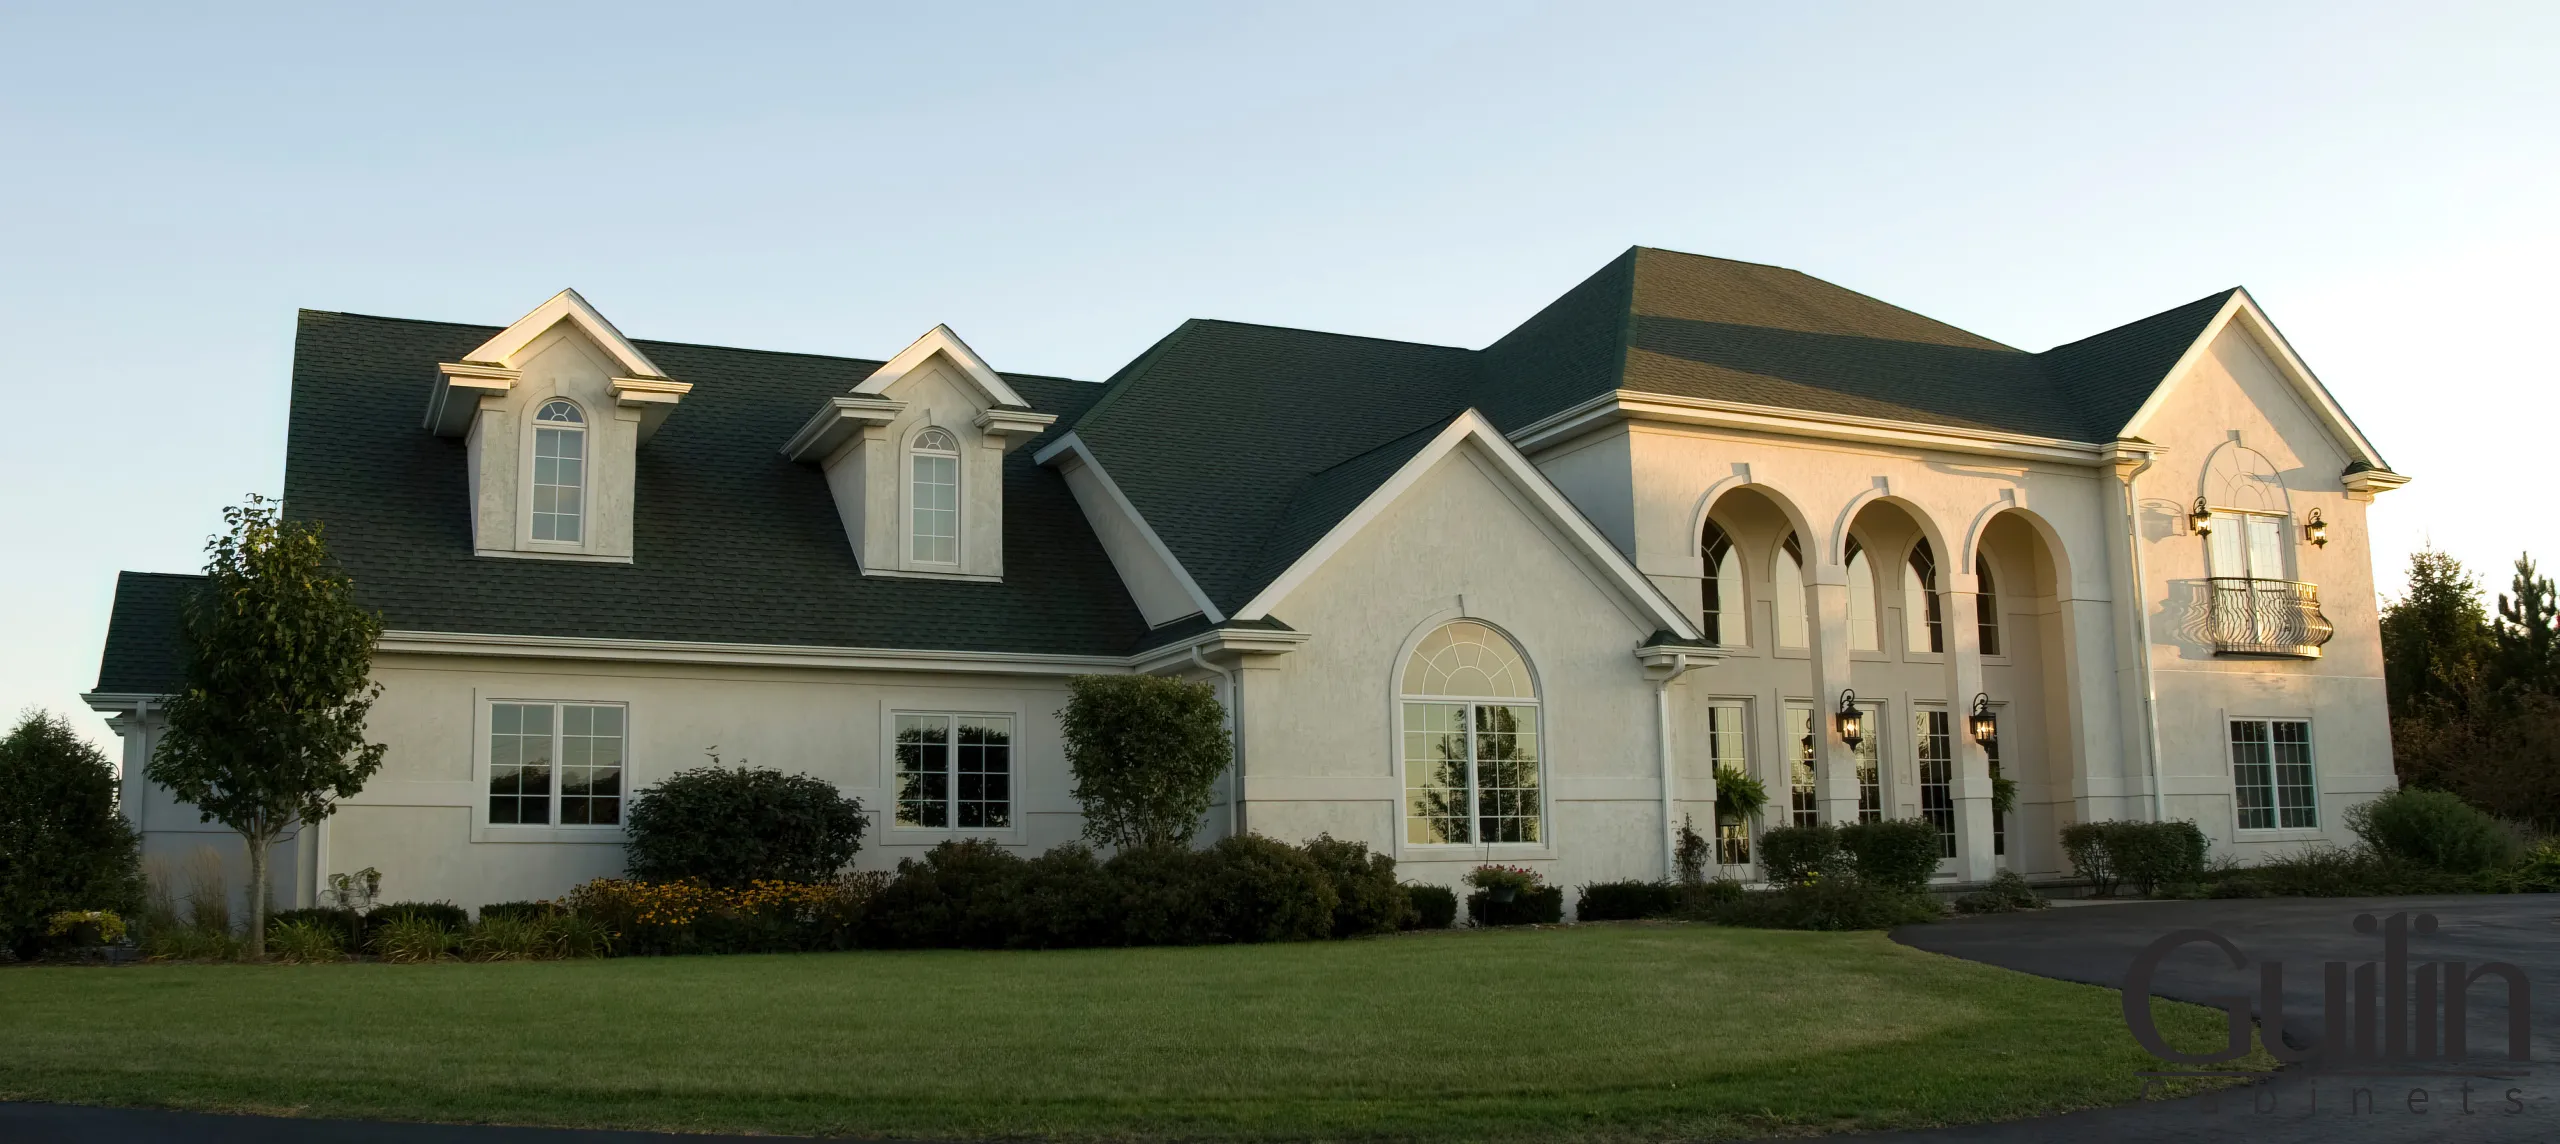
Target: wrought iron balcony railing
2266	617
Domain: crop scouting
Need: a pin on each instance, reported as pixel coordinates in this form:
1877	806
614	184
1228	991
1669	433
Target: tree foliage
2475	701
1145	751
63	843
2436	642
268	731
2528	654
731	826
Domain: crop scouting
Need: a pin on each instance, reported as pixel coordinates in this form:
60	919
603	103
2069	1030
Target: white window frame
1917	599
1545	847
1796	747
1012	831
1861	567
1984	565
913	485
1729	581
483	770
1787	607
1873	747
2231	765
531	461
2235	522
1953	837
1739	736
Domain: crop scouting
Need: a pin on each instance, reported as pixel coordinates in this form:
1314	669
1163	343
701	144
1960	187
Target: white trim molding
940	340
491	370
1635	405
2243	309
1070	451
1214	642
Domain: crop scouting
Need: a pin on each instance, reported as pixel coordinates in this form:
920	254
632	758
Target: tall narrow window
1472	770
1999	820
1922	630
1937	749
2271	774
555	763
936	497
559	473
1786	582
1870	774
1986	606
1727	744
1862	601
1804	805
955	771
1724	601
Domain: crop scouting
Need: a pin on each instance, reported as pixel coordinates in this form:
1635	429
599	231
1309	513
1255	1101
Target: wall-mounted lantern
2201	519
1850	720
2316	530
1983	723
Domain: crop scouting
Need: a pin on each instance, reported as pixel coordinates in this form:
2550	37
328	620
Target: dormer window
935	495
559	473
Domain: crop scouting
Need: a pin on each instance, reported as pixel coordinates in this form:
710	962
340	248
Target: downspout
1235	741
1662	721
2142	644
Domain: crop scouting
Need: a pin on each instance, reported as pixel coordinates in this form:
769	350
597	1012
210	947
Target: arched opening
2020	612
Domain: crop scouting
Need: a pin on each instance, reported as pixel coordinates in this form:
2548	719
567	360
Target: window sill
931	835
572	835
2280	834
1477	852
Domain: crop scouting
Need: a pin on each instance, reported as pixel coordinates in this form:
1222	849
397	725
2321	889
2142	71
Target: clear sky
1064	183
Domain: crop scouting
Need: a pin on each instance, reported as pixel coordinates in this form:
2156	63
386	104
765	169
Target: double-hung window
1870	772
1804	803
1727	750
955	772
1937	746
556	763
2272	776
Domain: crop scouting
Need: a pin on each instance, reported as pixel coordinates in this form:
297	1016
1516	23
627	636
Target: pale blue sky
1062	184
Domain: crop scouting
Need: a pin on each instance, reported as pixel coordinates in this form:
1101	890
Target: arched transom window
1472	768
1786	590
1723	589
1923	626
559	473
935	498
1862	600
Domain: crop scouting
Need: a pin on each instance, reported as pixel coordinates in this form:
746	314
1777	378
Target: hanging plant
2004	794
1739	796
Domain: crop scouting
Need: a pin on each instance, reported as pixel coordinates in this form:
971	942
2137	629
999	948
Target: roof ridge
872	361
1329	334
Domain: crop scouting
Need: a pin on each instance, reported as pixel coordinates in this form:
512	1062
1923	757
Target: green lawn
1605	1032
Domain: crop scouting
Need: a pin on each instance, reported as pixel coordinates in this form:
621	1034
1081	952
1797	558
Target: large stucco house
1515	603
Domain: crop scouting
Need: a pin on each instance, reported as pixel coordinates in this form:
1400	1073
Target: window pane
559	483
1804	807
2253	774
1937	776
935	522
2297	797
1787	585
590	765
1862	604
1870	776
2266	547
1999	821
984	765
2224	553
1986	608
1507	801
1468	659
1435	773
924	770
519	764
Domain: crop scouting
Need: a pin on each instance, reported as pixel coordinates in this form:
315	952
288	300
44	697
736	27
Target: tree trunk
257	943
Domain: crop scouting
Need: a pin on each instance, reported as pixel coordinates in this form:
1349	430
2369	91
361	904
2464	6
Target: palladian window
1472	771
935	497
559	473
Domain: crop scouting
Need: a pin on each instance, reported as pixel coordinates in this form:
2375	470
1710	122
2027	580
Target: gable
2242	347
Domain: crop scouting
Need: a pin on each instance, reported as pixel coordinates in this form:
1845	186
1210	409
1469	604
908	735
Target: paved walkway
2097	946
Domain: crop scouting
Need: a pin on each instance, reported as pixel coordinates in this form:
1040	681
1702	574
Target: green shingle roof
1240	444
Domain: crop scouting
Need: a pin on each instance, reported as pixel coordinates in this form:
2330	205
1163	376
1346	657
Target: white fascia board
2243	309
1634	405
1073	445
455	400
118	702
566	306
836	422
940	340
743	655
1472	426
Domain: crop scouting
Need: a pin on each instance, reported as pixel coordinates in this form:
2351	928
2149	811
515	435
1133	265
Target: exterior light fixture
1983	723
2201	518
1850	720
2316	530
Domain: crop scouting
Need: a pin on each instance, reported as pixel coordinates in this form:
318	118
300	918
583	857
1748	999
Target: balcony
2266	617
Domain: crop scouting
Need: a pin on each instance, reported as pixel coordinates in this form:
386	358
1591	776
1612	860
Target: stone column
1827	620
1972	787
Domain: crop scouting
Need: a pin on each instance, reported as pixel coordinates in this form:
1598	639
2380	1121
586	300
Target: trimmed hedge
1536	906
734	826
1892	853
2432	828
1434	907
1825	904
1624	901
1367	897
1793	854
2150	855
445	914
976	894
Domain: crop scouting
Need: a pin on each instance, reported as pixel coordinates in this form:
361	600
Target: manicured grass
1600	1032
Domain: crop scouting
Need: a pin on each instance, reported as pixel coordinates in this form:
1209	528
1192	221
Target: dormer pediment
492	369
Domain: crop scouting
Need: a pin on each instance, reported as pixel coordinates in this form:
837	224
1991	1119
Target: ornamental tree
729	827
63	843
268	731
1145	751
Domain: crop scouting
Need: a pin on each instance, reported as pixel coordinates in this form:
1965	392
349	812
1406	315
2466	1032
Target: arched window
1725	610
559	473
1921	620
1471	765
935	497
1786	583
1986	606
1862	601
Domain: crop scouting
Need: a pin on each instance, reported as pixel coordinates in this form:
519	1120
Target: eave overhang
836	423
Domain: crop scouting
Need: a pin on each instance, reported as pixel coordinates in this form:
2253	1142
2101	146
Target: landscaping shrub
343	926
1434	907
2332	872
1261	889
1164	894
733	826
302	941
528	911
1145	751
1697	900
452	917
412	937
2149	855
1367	897
509	937
84	928
1792	854
961	894
63	844
1892	853
2007	893
1542	906
190	943
2085	845
2433	828
1067	900
1621	901
1826	904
